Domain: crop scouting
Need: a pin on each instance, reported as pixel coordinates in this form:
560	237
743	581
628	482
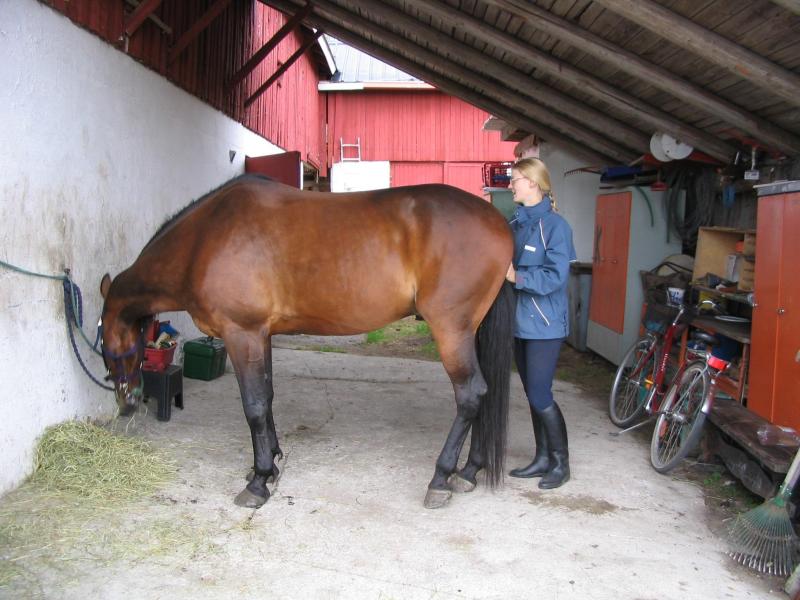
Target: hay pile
81	504
87	461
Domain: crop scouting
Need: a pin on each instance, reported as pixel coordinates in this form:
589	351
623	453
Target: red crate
158	359
497	174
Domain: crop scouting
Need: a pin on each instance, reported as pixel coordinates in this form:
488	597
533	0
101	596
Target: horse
254	258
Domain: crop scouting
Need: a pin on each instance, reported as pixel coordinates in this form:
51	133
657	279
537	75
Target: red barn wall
215	55
428	136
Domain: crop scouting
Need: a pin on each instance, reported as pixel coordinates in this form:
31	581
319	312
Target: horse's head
123	351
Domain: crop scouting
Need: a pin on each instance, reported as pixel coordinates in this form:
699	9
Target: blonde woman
539	271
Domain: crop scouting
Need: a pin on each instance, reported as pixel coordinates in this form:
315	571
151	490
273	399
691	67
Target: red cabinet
630	235
610	261
774	379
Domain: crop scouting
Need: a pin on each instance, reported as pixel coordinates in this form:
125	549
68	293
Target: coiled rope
73	311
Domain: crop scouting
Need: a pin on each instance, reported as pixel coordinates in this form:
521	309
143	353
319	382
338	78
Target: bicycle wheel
680	423
632	383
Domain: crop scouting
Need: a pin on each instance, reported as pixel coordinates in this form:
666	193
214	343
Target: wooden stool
165	385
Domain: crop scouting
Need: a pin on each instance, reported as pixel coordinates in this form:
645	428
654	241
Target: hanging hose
73	311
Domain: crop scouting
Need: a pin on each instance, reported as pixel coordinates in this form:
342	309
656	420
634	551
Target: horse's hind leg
272	434
465	479
248	358
461	363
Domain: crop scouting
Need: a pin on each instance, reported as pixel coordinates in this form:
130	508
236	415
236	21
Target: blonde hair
535	170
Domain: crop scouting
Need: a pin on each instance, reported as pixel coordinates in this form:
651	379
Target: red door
774	378
610	268
285	167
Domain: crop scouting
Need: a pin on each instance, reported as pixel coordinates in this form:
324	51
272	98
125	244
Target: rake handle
791	478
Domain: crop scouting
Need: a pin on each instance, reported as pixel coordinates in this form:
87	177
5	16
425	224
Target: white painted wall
576	195
97	151
360	176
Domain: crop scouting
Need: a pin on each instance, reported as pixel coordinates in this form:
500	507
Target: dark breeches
536	363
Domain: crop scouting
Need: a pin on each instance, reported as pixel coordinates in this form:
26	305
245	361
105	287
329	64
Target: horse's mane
194	203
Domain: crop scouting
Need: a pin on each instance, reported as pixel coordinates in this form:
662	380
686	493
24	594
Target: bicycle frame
657	386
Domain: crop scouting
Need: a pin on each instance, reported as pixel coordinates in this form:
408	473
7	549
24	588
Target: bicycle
686	406
641	386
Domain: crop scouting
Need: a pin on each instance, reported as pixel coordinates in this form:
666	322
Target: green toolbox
204	358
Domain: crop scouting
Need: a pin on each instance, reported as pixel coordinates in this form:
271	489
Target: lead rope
73	311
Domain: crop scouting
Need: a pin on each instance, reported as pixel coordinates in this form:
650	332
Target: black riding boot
541	460
556	431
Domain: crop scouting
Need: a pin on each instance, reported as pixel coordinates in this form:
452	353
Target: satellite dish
656	148
675	148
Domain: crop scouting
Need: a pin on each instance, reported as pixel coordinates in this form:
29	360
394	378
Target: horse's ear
105	283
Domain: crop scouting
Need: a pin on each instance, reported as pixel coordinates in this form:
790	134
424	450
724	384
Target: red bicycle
642	386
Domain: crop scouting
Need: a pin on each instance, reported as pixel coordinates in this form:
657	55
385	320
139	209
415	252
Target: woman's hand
511	274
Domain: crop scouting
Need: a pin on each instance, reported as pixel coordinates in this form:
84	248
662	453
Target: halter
122	380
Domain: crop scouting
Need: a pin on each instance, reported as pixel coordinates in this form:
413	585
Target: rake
764	538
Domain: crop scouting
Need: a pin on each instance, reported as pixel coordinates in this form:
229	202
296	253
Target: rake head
764	539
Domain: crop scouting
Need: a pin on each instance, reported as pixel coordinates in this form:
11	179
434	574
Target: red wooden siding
467	176
428	137
411	127
413	173
285	114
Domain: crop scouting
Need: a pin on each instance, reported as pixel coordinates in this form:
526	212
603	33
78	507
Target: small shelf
735	296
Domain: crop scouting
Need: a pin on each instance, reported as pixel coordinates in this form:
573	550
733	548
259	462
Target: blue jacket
542	252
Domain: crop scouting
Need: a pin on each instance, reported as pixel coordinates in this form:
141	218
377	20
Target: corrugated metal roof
353	65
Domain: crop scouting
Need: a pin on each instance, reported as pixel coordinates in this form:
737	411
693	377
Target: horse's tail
495	346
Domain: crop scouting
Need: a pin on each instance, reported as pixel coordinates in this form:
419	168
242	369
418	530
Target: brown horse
255	258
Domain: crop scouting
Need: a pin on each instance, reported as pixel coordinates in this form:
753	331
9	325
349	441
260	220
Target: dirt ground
725	497
345	519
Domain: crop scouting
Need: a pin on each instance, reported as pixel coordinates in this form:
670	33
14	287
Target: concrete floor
361	435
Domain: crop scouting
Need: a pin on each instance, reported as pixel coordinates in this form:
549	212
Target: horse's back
258	251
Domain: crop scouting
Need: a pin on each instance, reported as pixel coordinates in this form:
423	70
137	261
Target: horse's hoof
437	498
459	484
248	499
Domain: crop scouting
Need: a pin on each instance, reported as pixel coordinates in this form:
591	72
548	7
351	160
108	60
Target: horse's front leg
247	356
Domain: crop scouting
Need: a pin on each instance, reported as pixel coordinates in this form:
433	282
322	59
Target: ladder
350	157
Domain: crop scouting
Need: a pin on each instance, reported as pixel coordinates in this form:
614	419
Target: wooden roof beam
710	46
215	10
138	16
448	86
260	54
790	5
401	45
312	39
632	64
472	61
587	83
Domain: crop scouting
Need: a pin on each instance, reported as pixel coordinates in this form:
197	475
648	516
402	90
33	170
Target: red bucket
158	359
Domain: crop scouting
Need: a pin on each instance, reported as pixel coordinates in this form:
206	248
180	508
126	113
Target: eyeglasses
515	179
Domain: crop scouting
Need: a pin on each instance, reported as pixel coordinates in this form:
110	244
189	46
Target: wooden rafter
585	82
197	28
137	17
653	74
493	89
710	46
264	51
283	68
447	85
791	5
